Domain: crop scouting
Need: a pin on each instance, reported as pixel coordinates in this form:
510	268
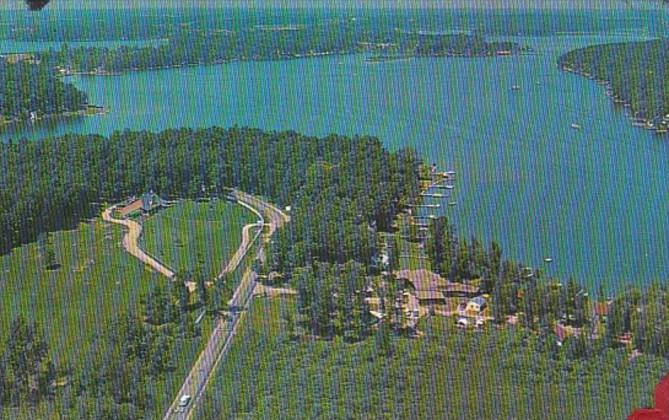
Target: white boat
576	126
515	87
548	260
452	203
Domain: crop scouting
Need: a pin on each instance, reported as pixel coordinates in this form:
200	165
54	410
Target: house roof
460	288
422	279
429	295
479	300
561	332
134	206
150	201
146	202
602	308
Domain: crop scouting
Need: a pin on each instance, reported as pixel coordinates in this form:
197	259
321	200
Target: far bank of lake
595	200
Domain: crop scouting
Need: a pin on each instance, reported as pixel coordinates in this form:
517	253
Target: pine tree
50	262
383	339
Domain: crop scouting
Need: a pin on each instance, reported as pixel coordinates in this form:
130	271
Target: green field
97	280
191	234
445	374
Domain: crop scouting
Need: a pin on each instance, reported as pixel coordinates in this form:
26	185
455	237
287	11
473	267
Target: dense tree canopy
26	87
26	371
635	71
206	47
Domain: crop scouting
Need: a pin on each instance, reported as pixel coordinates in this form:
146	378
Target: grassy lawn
97	280
446	374
191	234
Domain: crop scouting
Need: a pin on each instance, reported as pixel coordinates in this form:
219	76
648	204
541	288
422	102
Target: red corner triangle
661	410
662	396
647	414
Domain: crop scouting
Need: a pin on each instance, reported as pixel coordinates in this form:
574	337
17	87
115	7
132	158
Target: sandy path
247	241
131	243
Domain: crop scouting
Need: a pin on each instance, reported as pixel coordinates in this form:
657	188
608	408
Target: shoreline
638	122
88	111
291	57
213	63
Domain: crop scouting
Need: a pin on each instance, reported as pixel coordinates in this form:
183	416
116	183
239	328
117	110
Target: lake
595	200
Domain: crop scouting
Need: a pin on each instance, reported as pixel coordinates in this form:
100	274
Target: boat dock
432	195
427	206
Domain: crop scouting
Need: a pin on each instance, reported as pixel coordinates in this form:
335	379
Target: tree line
190	47
635	71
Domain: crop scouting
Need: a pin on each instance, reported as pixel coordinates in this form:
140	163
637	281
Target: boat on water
576	126
515	87
548	260
452	203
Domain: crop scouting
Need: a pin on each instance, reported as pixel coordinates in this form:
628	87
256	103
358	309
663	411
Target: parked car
184	400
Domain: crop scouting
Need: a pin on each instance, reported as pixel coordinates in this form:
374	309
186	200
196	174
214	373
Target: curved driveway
131	242
221	337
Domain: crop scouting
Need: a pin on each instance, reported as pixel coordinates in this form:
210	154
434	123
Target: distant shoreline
89	110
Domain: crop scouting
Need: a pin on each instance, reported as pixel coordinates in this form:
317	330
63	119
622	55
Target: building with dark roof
147	203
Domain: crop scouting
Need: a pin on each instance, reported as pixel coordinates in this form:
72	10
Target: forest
330	182
27	87
635	71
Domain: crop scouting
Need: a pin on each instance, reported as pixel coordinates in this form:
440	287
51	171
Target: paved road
247	241
131	242
221	337
219	341
275	217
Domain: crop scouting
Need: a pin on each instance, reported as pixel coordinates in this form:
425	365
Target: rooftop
423	279
479	300
429	295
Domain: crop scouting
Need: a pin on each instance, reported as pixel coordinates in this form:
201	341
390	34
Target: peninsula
633	74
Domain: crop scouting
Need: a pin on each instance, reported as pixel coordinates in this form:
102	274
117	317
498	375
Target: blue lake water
595	200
